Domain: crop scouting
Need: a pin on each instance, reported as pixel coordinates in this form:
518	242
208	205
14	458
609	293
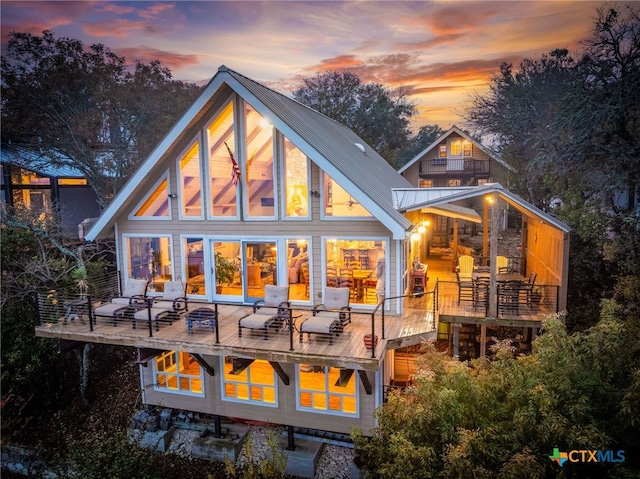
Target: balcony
457	166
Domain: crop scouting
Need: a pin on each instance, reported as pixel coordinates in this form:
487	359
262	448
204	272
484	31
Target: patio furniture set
271	313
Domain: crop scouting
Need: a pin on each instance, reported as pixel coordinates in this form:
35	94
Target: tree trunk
85	369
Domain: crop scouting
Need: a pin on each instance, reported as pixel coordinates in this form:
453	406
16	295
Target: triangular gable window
339	203
156	203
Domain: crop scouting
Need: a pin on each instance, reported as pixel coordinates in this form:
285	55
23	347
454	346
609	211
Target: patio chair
269	312
332	277
502	265
330	317
465	266
465	288
167	307
131	299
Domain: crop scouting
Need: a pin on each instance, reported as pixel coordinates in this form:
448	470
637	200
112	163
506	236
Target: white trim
180	392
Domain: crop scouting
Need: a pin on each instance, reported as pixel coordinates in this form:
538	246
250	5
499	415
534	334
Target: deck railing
470	299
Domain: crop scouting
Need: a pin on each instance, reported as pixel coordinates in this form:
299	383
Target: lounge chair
167	307
330	317
465	266
132	298
271	311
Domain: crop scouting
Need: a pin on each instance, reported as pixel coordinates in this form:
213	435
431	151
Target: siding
285	413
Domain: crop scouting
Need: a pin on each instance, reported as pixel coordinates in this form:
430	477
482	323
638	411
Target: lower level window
324	389
178	372
249	381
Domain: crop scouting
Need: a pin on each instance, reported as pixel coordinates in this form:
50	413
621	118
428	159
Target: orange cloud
174	61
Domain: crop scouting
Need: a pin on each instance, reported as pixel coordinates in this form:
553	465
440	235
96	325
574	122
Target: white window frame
198	140
166	175
327	411
158	388
249	385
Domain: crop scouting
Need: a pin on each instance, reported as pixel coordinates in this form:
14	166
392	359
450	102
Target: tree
426	135
86	107
380	116
503	418
572	128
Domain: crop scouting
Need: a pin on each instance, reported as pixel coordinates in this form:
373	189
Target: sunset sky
442	51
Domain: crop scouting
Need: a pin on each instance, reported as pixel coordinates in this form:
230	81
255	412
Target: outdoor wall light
315	193
172	195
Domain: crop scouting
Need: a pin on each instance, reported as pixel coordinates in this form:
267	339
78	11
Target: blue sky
440	51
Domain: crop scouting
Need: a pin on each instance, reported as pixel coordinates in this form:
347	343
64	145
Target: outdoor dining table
500	277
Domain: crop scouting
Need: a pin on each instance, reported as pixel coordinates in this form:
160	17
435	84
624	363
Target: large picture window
252	383
327	390
221	156
193	249
156	204
149	258
357	264
177	372
190	187
259	165
296	181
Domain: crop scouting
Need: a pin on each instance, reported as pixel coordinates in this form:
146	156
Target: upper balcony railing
460	166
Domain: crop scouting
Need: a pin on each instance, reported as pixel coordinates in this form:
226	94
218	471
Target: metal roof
450	195
34	161
337	150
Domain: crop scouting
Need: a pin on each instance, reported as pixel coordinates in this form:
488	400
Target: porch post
493	290
455	240
485	230
483	340
456	339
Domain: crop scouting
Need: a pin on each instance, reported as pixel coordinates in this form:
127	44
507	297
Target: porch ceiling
454	211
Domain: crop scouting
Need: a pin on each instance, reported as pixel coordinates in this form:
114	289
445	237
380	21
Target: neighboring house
30	181
286	196
455	160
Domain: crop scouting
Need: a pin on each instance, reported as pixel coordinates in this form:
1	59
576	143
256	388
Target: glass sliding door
227	270
260	258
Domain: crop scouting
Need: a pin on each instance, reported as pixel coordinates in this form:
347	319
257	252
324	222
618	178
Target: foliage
272	465
570	123
502	418
426	135
85	107
106	453
380	117
225	270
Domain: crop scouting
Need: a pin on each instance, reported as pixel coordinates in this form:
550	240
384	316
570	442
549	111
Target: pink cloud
174	61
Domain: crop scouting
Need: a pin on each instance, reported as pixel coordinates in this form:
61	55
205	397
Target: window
254	383
193	249
339	203
453	182
228	264
425	184
357	264
222	164
156	203
296	181
443	151
456	148
20	176
190	188
72	181
177	372
327	390
259	174
149	258
467	149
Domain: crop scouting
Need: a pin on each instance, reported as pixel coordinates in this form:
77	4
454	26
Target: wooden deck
347	350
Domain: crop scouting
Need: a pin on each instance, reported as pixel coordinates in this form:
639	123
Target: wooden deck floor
346	350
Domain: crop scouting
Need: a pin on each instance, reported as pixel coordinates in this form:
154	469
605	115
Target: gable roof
337	150
419	198
477	144
33	161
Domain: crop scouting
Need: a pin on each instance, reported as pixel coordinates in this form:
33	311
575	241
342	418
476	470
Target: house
456	160
252	189
31	181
